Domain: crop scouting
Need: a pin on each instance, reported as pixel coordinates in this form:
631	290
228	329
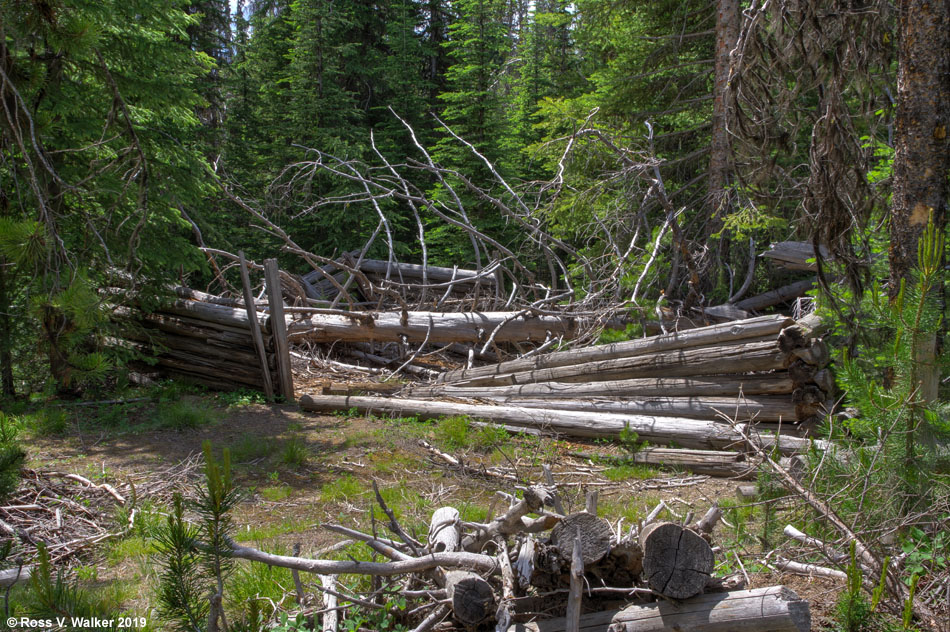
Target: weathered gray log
444	531
691	362
595	536
710	462
472	598
275	301
677	562
573	615
745	409
707	386
251	310
773	609
412	272
705	336
242	355
210	313
468	327
689	433
795	255
776	296
13	575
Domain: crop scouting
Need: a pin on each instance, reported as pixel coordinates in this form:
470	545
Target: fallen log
706	336
776	296
706	386
434	327
710	462
689	433
692	362
739	409
677	562
433	274
773	609
795	255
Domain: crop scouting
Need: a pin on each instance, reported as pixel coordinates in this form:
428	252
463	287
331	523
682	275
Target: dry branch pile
531	568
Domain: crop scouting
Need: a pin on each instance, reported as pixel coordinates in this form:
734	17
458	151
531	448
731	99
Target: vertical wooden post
573	616
255	325
278	328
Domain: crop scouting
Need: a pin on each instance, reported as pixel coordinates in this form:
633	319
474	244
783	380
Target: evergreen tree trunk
720	158
922	156
6	337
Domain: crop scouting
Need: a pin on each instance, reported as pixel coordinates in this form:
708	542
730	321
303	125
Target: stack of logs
702	390
533	568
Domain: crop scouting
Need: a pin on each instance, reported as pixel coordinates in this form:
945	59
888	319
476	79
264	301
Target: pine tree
99	132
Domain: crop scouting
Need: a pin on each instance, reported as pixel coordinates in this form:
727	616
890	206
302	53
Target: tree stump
677	562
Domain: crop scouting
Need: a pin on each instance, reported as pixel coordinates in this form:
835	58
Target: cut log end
595	537
472	598
677	562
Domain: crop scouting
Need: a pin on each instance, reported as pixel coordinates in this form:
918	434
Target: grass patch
135	547
241	398
250	448
253	589
265	532
630	511
343	488
459	433
624	472
295	452
275	493
48	422
183	415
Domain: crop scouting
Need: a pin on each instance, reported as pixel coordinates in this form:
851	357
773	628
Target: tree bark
6	337
922	148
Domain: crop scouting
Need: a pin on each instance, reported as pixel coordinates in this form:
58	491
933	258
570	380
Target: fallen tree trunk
795	255
433	274
725	359
434	327
776	296
711	462
707	386
738	409
690	433
773	609
706	336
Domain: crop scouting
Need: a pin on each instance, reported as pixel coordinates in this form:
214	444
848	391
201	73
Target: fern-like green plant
182	586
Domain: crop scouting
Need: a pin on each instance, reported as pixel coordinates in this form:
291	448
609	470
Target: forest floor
300	470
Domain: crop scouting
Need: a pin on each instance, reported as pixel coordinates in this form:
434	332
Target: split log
710	386
744	409
689	433
278	329
706	336
691	362
472	598
467	327
595	537
795	255
573	615
776	296
677	562
255	326
773	609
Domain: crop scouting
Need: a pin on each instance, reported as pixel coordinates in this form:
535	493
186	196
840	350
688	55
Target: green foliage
295	452
341	488
629	440
182	589
624	472
459	433
184	414
12	456
853	610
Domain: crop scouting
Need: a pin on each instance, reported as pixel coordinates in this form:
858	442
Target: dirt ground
302	470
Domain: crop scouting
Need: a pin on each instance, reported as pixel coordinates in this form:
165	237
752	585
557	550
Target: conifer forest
474	315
